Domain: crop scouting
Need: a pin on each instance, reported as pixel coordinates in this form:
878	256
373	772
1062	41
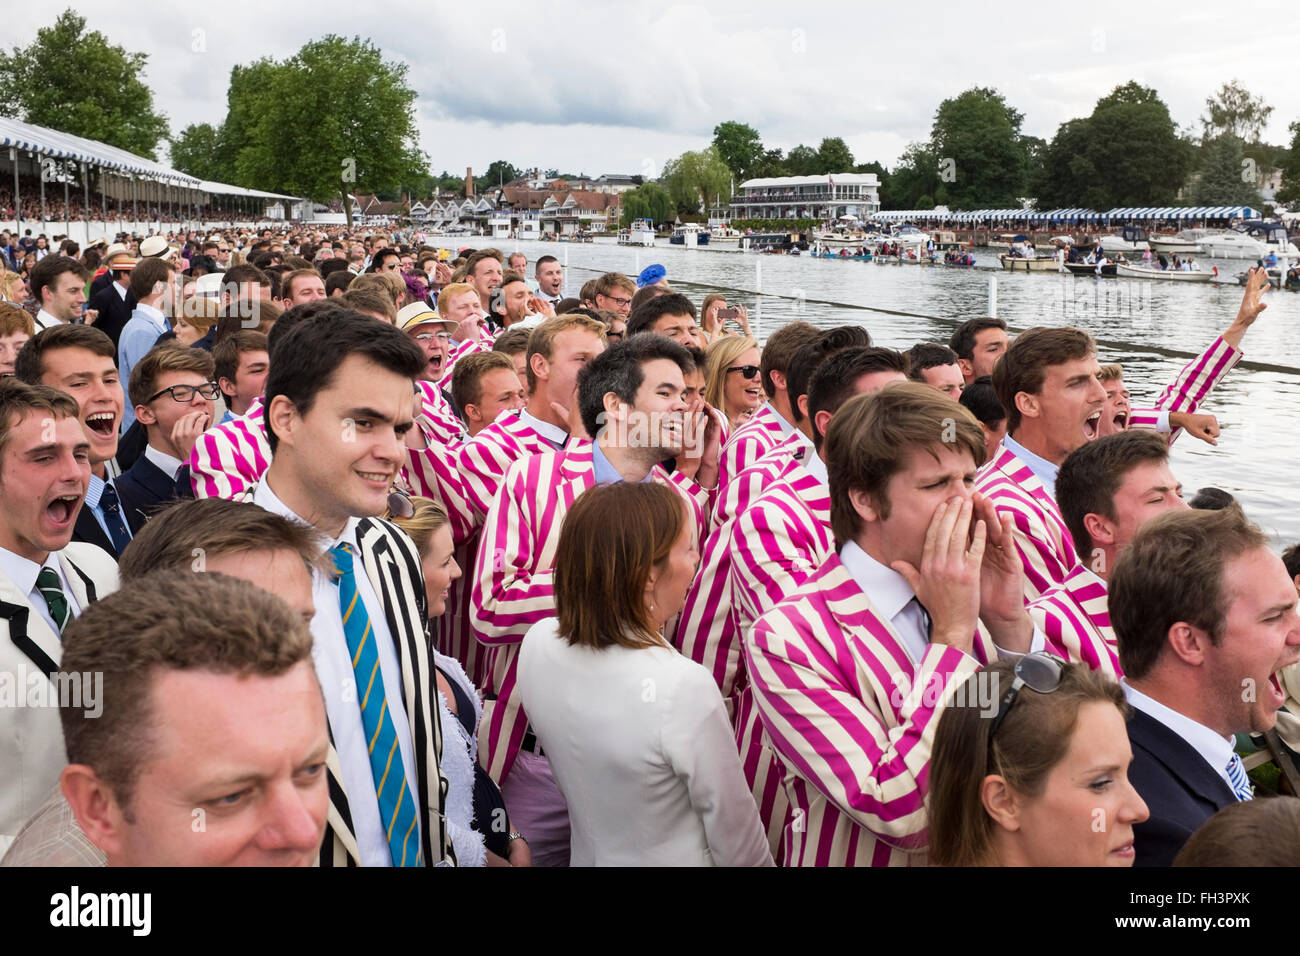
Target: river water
1152	327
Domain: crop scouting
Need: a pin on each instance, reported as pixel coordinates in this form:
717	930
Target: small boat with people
958	260
1153	271
844	255
724	235
1104	269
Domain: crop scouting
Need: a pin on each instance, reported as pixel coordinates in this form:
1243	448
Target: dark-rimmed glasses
185	393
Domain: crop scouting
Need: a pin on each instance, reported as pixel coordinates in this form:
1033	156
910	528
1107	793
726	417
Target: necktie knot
342	557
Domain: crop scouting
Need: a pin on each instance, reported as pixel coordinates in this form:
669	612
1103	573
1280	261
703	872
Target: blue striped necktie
397	808
1240	782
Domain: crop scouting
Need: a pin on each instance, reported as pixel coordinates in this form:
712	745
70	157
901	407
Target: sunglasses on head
1040	672
749	371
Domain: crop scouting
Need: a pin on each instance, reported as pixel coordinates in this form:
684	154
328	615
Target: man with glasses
614	292
386	260
173	391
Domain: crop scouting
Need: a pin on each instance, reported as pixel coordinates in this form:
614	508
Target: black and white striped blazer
392	563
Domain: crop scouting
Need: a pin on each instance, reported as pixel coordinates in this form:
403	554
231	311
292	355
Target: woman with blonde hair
636	735
732	383
476	814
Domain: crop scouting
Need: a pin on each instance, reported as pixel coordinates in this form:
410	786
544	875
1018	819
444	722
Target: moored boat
1129	239
689	234
640	233
1169	275
1024	264
1106	269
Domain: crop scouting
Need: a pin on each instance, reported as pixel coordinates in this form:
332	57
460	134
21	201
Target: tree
1134	150
1290	191
697	179
833	156
982	159
77	82
771	164
1224	179
498	173
800	161
740	148
914	181
196	150
648	201
343	113
1235	112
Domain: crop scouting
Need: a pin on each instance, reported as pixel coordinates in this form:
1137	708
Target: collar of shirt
1043	469
121	291
22	571
1214	749
888	590
44	318
554	434
813	462
786	428
264	497
604	471
94	490
168	465
153	315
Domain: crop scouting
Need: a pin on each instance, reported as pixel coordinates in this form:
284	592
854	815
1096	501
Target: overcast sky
601	86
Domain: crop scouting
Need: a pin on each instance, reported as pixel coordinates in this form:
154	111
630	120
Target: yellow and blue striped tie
397	809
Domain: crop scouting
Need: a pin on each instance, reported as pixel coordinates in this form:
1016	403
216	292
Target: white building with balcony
808	197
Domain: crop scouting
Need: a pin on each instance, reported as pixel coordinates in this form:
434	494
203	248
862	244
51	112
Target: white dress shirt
554	434
1214	749
338	682
641	747
892	596
46	321
22	572
168	465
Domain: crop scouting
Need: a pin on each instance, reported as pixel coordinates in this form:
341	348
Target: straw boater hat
155	247
419	313
117	258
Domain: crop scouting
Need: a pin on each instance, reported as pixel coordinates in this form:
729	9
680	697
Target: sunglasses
749	371
400	504
1040	672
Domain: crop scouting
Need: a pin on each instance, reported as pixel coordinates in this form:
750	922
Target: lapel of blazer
1017	471
87	529
27	630
339	848
1180	758
83	588
393	566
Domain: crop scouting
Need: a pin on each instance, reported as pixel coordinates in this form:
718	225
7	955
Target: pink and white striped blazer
1042	539
1190	387
706	631
514	577
853	719
482	463
1074	616
746	444
483	343
229	459
776	543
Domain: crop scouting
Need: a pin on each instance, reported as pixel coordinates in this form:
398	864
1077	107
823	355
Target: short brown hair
46	272
168	357
475	258
610	281
288	278
511	342
183	535
510	275
467	383
1247	833
1090	476
541	341
1173	571
370	301
148	272
869	436
17	398
1033	737
225	354
611	538
30	364
166	622
779	349
15	319
1024	366
1110	373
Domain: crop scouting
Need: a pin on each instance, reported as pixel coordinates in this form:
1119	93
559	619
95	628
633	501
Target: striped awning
65	146
1181	212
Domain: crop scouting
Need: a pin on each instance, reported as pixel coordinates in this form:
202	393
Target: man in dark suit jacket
1205	617
115	302
173	393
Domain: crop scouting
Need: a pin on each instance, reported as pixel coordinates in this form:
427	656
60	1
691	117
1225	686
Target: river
1153	328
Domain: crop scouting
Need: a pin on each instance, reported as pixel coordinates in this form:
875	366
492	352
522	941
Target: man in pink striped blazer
1047	382
557	350
851	672
1107	490
778	417
1177	405
631	399
459	303
776	544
